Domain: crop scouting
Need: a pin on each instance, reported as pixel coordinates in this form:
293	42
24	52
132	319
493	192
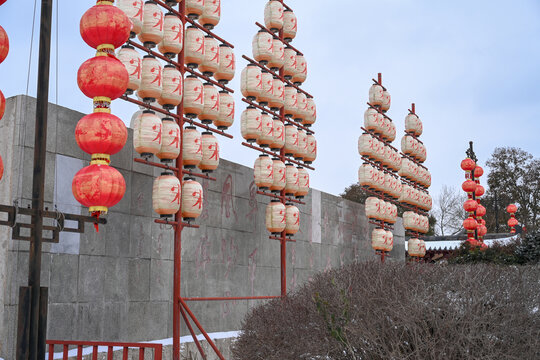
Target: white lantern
267	90
193	96
303	182
251	82
409	145
152	25
266	136
291	180
302	148
192	199
290	25
173	36
311	114
386	101
311	153
376	97
264	172
278	55
211	104
278	140
291	140
368	146
262	47
378	239
373	208
170	141
194	47
134	10
279	180
226	111
194	8
166	195
151	80
133	63
210	63
211	13
292	216
210	152
147	134
172	90
273	15
291	101
413	124
275	217
368	175
301	70
191	147
416	248
278	98
227	64
251	124
289	66
389	244
301	107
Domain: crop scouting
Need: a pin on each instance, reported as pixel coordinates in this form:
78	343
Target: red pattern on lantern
101	133
469	186
105	24
511	209
478	172
468	164
470	205
103	76
479	191
470	224
4	44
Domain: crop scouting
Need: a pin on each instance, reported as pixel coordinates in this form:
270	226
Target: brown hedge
396	311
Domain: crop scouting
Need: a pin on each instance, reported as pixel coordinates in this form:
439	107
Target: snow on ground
436	245
164	342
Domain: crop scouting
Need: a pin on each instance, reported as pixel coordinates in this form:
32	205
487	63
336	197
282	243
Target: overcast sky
470	66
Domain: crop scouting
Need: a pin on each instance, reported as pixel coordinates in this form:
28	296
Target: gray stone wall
116	285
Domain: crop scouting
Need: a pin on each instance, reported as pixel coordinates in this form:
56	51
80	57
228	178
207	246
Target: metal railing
86	348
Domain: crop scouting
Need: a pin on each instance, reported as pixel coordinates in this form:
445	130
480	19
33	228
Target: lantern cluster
101	134
278	116
512	222
378	173
4	50
381	210
417	179
474	224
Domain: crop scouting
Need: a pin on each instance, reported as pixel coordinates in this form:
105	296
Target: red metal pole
193	335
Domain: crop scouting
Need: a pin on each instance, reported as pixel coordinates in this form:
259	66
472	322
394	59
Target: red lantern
103	77
511	209
468	164
512	222
482	231
480	210
105	26
478	172
101	133
469	186
479	191
470	224
2	104
2	1
4	44
470	205
98	187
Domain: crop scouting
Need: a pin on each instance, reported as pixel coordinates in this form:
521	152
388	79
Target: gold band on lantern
101	209
102	104
100	159
105	49
104	2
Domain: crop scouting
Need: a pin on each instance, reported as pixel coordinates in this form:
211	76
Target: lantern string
22	128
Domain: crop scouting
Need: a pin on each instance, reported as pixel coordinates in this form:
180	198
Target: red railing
94	346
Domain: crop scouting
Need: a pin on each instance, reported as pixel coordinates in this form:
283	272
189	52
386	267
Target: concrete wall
117	284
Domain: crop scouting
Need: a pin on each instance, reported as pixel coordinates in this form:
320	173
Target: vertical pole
38	185
177	278
496	213
283	241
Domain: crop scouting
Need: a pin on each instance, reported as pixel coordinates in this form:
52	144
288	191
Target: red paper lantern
105	26
103	76
512	222
512	209
4	44
2	104
469	186
470	205
2	1
478	172
468	164
98	187
479	191
470	224
482	230
480	210
101	133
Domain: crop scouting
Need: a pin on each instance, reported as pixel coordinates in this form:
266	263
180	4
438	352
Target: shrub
392	311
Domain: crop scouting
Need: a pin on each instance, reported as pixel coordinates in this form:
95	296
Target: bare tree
448	211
